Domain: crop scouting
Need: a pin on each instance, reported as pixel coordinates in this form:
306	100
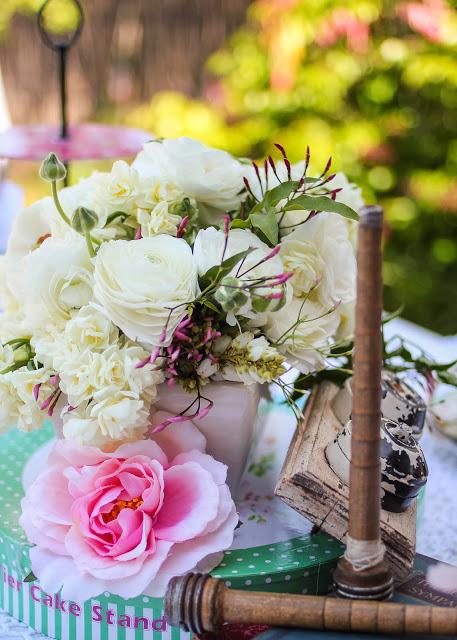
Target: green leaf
283	190
275	195
267	224
210	305
30	578
240	224
448	378
321	203
114	216
216	273
388	317
435	366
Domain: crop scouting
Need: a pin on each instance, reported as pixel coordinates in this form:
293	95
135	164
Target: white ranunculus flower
211	176
41	220
306	345
320	255
208	250
55	280
144	285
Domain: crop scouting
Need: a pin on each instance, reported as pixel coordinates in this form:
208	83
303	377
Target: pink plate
85	142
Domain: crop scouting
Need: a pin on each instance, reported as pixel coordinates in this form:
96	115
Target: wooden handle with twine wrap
200	603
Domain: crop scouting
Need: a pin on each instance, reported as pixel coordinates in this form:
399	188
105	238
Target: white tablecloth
437	534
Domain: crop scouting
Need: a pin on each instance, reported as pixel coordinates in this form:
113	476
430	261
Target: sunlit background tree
372	83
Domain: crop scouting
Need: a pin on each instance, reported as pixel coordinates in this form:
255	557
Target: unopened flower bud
52	169
272	301
84	220
230	295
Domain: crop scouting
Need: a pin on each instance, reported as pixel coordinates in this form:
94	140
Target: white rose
211	176
144	285
208	250
55	280
321	257
306	345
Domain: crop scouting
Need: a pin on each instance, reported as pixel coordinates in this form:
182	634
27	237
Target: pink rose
127	521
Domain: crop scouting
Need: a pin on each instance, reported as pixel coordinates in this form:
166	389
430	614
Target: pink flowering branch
182	227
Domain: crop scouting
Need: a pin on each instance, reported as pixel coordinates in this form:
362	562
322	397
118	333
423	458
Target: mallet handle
200	603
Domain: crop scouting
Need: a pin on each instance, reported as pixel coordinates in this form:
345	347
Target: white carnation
144	285
251	360
9	404
306	344
117	190
26	414
89	328
321	257
158	220
111	419
211	176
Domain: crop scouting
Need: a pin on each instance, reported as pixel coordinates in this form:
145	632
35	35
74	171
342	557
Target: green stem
58	205
90	246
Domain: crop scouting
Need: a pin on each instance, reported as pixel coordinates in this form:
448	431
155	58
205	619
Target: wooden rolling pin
200	603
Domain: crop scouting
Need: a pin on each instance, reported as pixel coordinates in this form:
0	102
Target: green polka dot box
273	549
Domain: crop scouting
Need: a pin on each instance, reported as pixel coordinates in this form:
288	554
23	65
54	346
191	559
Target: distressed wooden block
308	484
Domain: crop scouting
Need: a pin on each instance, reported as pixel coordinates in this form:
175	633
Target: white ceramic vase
230	428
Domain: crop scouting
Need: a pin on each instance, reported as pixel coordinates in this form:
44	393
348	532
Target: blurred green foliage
372	83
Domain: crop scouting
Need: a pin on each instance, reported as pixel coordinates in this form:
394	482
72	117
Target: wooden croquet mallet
362	572
199	603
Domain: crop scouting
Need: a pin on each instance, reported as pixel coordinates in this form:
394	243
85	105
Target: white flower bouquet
186	267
